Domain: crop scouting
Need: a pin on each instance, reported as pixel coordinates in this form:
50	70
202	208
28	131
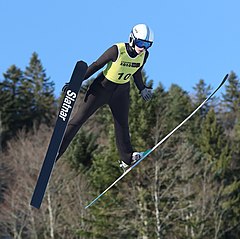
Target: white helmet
141	36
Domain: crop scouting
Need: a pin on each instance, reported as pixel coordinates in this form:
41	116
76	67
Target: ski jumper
110	87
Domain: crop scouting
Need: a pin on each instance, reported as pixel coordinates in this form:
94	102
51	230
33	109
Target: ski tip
224	80
226	77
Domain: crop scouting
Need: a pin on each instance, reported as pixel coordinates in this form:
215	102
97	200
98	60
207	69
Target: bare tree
62	208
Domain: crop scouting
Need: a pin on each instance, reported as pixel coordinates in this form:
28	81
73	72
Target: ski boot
135	157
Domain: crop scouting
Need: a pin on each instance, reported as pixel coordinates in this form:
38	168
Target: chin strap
131	50
131	41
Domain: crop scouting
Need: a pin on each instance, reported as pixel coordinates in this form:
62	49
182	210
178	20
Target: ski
58	133
146	153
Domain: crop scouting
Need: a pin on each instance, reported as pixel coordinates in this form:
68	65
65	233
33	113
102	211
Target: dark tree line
188	188
27	98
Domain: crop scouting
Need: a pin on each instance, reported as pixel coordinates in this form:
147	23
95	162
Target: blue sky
193	39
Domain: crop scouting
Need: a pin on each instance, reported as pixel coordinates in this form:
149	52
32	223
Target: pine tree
10	108
43	108
179	106
213	141
201	92
27	98
230	200
81	150
231	101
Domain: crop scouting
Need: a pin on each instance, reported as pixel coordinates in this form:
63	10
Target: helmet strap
131	40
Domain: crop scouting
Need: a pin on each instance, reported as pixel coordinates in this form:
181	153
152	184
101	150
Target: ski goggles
142	44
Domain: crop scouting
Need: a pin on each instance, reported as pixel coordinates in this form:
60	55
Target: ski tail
58	133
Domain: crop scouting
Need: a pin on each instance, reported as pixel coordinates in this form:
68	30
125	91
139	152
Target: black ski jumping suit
104	91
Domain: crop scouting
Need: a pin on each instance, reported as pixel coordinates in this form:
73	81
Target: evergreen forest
188	188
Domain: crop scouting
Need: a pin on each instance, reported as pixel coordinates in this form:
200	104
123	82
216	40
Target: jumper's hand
146	93
65	87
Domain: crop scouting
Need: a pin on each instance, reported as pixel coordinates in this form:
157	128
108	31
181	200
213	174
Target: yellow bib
124	67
